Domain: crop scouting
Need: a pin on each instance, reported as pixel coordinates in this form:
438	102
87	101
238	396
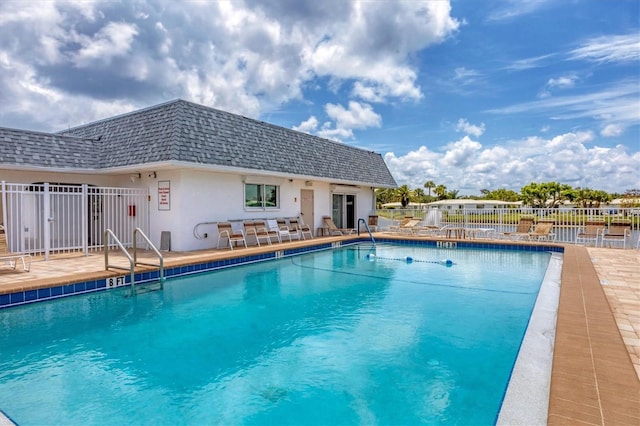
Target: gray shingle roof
188	132
36	149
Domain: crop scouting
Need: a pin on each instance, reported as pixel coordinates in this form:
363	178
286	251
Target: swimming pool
355	335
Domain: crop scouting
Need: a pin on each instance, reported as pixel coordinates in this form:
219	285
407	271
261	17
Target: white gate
57	218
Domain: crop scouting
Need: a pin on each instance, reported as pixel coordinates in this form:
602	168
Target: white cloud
370	93
336	134
617	103
465	76
516	8
243	56
461	152
30	92
357	116
528	63
469	129
468	166
308	126
612	130
114	39
373	45
610	48
563	82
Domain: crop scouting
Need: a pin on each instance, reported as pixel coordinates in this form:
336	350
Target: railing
160	264
133	260
567	221
109	233
366	226
47	218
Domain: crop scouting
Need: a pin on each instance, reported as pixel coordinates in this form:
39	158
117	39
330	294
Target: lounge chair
396	226
273	226
288	231
522	229
411	227
226	231
266	232
7	256
592	231
433	230
372	223
618	231
333	229
297	225
542	231
257	230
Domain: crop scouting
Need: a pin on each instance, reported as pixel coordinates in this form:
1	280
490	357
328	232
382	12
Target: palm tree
441	192
429	185
404	194
385	195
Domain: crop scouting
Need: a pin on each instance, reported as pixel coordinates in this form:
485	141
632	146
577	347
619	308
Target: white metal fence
567	221
47	218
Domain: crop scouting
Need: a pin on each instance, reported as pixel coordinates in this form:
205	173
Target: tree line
542	195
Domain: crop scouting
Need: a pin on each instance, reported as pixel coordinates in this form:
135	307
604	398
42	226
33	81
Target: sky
468	94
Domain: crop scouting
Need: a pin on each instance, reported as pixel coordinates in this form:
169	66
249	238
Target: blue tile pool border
43	294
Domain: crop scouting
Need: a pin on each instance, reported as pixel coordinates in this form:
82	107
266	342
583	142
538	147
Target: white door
306	207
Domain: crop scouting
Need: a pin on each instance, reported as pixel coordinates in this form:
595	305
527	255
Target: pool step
142	288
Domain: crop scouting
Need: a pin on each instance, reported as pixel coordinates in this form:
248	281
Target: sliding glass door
343	210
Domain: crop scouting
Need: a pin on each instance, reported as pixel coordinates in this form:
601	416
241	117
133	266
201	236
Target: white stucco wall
198	196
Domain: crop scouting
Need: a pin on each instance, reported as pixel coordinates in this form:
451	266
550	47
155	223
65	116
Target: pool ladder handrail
160	264
133	260
109	233
366	225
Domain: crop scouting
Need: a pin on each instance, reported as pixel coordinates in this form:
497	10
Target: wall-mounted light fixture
134	177
152	175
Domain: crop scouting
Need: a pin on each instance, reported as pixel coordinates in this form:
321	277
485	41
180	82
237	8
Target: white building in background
465	204
198	165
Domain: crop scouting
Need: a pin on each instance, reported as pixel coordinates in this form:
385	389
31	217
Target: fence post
46	226
86	218
4	203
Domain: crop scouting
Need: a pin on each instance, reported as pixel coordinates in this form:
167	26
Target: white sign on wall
113	282
164	195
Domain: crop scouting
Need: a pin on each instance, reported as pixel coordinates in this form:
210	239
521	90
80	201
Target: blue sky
470	94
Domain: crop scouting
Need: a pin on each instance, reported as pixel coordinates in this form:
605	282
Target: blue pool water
332	337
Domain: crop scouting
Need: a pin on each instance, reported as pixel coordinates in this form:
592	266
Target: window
261	196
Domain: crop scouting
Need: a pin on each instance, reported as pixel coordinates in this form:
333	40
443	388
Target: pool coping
592	379
526	400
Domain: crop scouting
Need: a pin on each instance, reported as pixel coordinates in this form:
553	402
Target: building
196	165
466	204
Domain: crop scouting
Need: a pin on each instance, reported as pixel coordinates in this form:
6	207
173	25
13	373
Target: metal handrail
366	225
107	233
135	253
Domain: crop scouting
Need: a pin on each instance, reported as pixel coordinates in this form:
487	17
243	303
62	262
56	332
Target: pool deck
595	378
